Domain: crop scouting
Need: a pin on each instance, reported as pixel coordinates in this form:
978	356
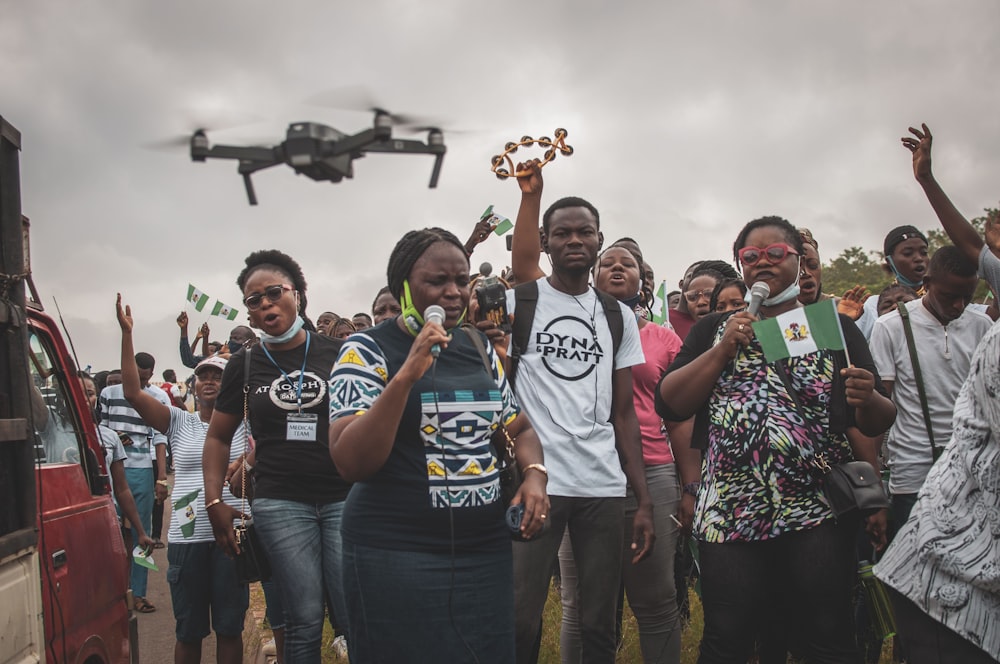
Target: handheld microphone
486	269
435	314
758	293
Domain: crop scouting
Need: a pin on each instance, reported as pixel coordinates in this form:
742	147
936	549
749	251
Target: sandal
142	605
158	543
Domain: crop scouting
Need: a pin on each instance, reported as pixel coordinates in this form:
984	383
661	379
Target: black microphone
486	269
435	314
758	293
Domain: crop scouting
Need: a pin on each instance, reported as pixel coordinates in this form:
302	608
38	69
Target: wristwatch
691	488
163	483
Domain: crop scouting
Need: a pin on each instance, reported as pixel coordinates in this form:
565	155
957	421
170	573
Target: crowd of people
376	453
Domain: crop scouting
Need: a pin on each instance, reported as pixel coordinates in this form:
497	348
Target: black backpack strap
473	332
525	302
613	313
904	315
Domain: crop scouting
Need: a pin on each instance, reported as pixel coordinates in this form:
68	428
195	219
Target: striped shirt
190	522
117	414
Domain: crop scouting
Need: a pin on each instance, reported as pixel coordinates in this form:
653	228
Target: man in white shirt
945	335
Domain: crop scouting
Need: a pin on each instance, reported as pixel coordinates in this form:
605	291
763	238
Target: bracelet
212	503
691	488
536	466
163	483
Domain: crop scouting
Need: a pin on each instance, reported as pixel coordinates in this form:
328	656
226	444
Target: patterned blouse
946	559
758	474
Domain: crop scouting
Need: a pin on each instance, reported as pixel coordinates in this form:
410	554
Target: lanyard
302	372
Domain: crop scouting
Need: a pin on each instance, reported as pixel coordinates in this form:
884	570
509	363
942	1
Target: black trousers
797	586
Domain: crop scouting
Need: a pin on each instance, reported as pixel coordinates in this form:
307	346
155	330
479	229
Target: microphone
486	269
435	314
758	293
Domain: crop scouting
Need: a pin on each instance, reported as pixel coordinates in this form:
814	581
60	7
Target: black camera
492	297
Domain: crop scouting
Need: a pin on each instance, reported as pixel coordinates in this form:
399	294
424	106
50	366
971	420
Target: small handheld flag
801	331
223	310
145	559
500	223
659	306
196	297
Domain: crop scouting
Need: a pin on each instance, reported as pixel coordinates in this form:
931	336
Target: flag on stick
184	512
224	310
144	558
801	331
196	297
659	306
500	223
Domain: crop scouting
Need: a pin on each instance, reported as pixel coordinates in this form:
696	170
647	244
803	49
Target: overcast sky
688	119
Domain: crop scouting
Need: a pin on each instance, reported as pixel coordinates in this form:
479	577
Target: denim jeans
649	584
802	581
140	483
409	606
303	543
205	592
596	531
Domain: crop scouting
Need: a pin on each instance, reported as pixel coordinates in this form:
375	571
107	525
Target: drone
321	152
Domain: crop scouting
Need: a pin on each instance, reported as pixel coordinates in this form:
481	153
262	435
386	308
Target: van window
57	439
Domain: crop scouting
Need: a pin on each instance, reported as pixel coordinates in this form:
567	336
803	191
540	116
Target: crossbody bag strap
904	315
246	432
525	302
473	333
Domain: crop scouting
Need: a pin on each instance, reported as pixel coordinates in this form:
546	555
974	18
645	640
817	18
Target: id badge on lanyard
301	426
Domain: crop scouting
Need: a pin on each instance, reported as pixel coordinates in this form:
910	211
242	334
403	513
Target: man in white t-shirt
945	335
577	392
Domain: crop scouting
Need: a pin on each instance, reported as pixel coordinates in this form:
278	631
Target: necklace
592	314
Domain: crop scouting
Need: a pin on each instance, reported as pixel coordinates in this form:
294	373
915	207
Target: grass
551	619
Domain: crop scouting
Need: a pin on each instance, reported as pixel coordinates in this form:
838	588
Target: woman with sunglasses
428	567
299	496
767	537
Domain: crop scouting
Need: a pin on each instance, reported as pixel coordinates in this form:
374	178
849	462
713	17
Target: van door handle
59	558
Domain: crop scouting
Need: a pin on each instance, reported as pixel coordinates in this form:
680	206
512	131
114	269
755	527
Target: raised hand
920	145
853	302
124	315
480	232
182	320
532	182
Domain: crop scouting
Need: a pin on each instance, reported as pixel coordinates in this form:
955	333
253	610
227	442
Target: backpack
525	301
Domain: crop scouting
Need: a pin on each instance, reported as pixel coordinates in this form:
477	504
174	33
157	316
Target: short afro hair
569	202
949	259
272	259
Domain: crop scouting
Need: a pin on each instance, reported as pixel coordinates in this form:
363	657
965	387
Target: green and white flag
659	306
196	297
500	223
224	310
144	558
801	331
184	512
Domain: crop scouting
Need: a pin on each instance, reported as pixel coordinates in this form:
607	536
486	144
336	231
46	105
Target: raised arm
154	413
480	232
188	358
526	245
959	230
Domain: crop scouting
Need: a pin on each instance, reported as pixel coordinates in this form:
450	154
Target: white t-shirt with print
564	384
944	354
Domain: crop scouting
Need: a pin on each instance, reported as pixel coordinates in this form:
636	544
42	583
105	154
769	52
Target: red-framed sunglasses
775	253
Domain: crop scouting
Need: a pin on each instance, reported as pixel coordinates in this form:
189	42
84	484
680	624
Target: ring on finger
740	328
543	516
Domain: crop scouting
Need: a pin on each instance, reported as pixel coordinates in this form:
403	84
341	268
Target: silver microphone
435	314
758	293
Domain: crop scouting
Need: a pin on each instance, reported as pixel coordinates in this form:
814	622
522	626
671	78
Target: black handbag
252	564
853	485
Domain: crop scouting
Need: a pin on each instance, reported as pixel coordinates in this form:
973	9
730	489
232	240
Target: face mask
288	334
900	278
633	302
790	293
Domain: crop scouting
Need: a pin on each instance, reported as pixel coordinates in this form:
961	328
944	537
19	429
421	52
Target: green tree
855	266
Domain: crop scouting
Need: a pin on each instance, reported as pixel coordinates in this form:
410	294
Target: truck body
63	563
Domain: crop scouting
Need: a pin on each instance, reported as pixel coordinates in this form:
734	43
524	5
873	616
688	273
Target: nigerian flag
801	331
196	297
224	310
184	512
659	306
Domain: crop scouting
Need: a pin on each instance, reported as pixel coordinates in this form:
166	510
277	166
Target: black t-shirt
299	470
441	453
705	334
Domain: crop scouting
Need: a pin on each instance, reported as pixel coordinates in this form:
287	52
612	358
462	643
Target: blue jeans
140	483
596	531
411	606
203	583
303	543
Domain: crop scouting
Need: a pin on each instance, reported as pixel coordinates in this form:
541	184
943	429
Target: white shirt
564	382
944	353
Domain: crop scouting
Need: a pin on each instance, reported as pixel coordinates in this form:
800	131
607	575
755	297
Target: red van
63	564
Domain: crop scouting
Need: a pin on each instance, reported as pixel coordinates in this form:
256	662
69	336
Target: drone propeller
359	98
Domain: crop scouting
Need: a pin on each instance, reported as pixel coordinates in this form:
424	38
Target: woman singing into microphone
427	556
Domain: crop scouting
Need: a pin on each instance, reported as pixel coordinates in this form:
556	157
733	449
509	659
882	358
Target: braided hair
409	249
792	236
272	259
